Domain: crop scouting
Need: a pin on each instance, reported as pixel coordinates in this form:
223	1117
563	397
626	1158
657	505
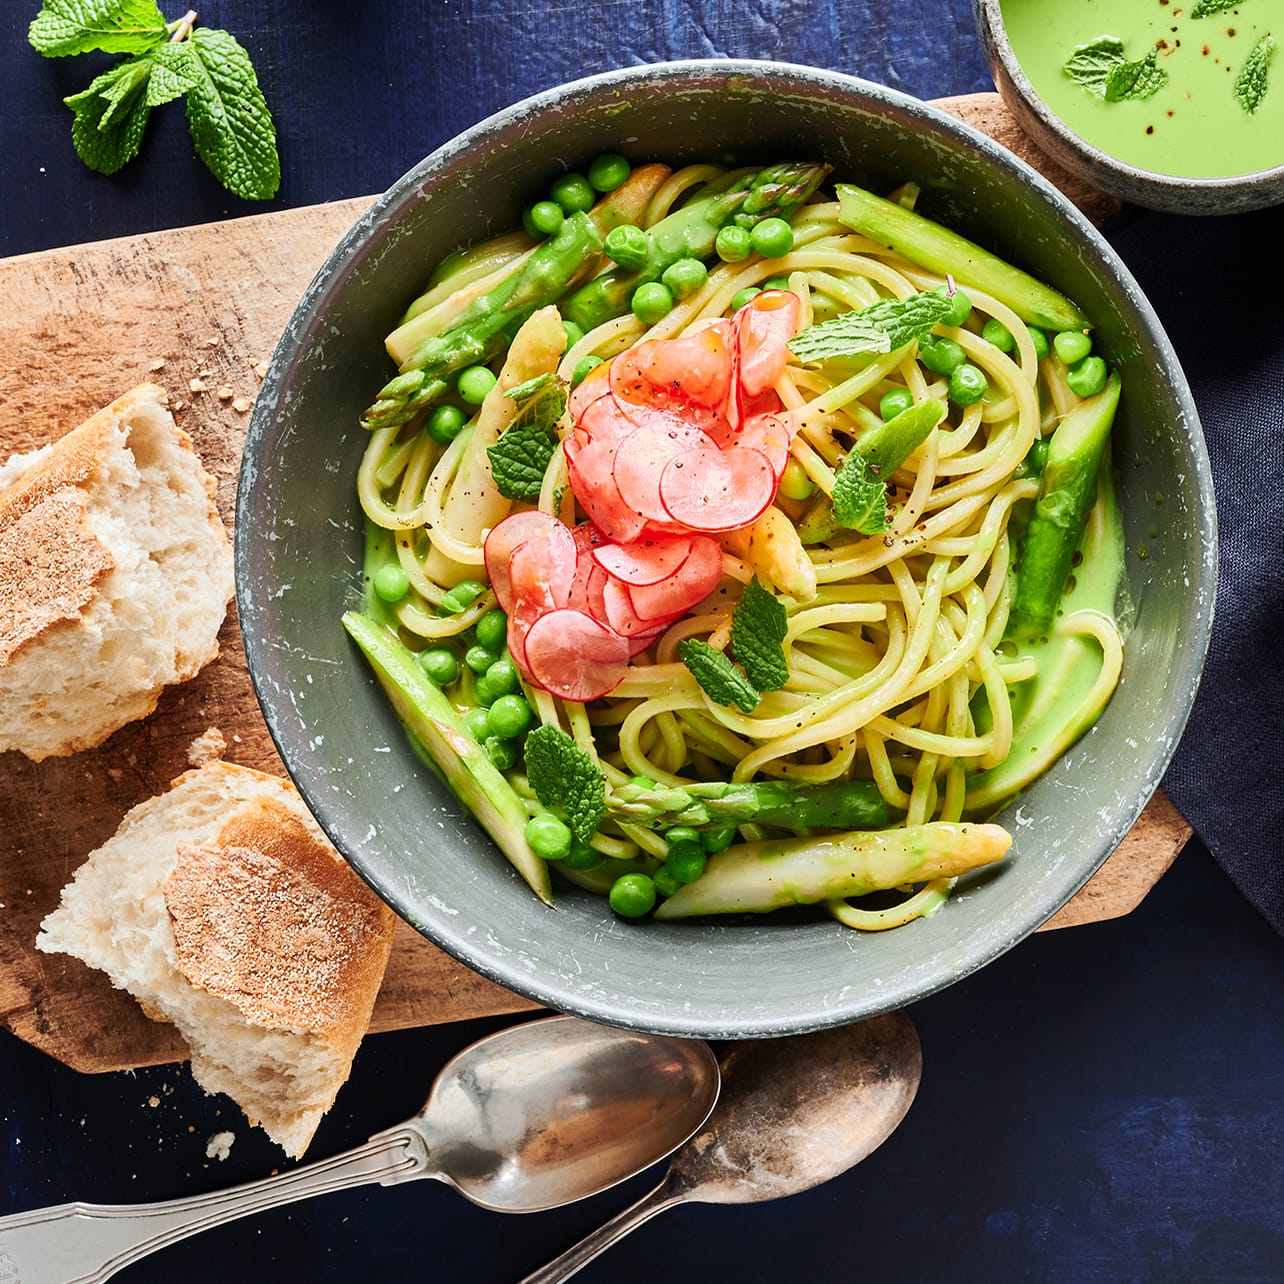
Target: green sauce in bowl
1197	122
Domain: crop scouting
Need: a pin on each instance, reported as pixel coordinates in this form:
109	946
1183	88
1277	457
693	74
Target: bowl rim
692	1020
1104	166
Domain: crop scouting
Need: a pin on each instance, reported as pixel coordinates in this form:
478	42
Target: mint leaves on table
227	115
758	627
1103	69
520	458
1250	84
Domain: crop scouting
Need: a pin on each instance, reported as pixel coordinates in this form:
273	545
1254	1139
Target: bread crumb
219	1146
153	1101
208	747
213	341
226	392
242	404
261	369
157	364
196	385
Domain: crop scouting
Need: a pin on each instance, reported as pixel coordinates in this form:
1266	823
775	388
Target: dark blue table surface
1102	1103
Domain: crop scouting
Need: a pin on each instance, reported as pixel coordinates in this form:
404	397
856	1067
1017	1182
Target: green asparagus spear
690	232
1067	492
940	250
488	323
462	762
854	804
756	878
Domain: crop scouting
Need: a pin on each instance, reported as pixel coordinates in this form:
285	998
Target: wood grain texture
197	310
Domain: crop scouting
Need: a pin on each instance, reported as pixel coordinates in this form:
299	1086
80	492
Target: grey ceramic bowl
1131	183
299	549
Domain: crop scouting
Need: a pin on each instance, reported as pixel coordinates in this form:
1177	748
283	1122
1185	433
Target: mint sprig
566	776
1250	84
758	628
520	458
1206	8
1135	80
1090	65
882	327
227	114
720	680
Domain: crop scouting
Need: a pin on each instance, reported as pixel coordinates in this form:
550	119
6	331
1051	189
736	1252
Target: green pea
772	238
486	691
445	423
1072	346
967	385
940	355
391	583
960	309
439	663
573	334
628	245
492	630
479	659
573	192
501	677
510	715
685	277
608	172
462	596
583	366
719	839
548	837
998	334
581	856
680	834
478	723
1087	377
664	881
474	382
686	862
1035	458
776	283
501	752
1040	340
894	401
733	244
632	895
544	218
652	302
794	481
741	297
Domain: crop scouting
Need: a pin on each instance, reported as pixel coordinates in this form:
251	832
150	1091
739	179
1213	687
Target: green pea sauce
1192	127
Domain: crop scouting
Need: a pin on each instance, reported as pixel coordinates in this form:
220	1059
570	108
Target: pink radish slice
622	615
588	591
542	568
503	539
698	578
591	471
717	490
574	656
592	386
639	642
763	328
642	457
693	372
644	561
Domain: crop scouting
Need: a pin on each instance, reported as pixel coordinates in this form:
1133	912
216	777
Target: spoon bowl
793	1113
532	1117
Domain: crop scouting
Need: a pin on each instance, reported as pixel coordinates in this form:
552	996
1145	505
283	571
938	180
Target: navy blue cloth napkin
1218	287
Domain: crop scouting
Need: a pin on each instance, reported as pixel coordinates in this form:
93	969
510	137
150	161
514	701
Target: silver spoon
793	1113
533	1117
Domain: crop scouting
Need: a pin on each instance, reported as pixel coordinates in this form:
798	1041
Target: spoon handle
579	1255
86	1243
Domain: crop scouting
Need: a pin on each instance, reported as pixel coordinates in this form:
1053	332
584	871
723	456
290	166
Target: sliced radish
644	561
675	596
574	656
707	489
623	617
694	371
588	590
593	385
642	457
506	536
542	568
763	328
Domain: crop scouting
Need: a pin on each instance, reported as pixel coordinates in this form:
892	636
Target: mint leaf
124	88
65	27
519	460
1206	8
720	680
102	144
562	774
881	327
174	73
228	117
1132	81
886	447
758	627
860	496
1250	84
1090	65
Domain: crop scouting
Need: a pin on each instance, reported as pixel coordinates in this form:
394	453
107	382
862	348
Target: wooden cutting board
199	311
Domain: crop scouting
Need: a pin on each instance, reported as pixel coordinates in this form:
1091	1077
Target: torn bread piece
115	576
221	907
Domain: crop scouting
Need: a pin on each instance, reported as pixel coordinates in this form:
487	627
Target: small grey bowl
1151	190
299	554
